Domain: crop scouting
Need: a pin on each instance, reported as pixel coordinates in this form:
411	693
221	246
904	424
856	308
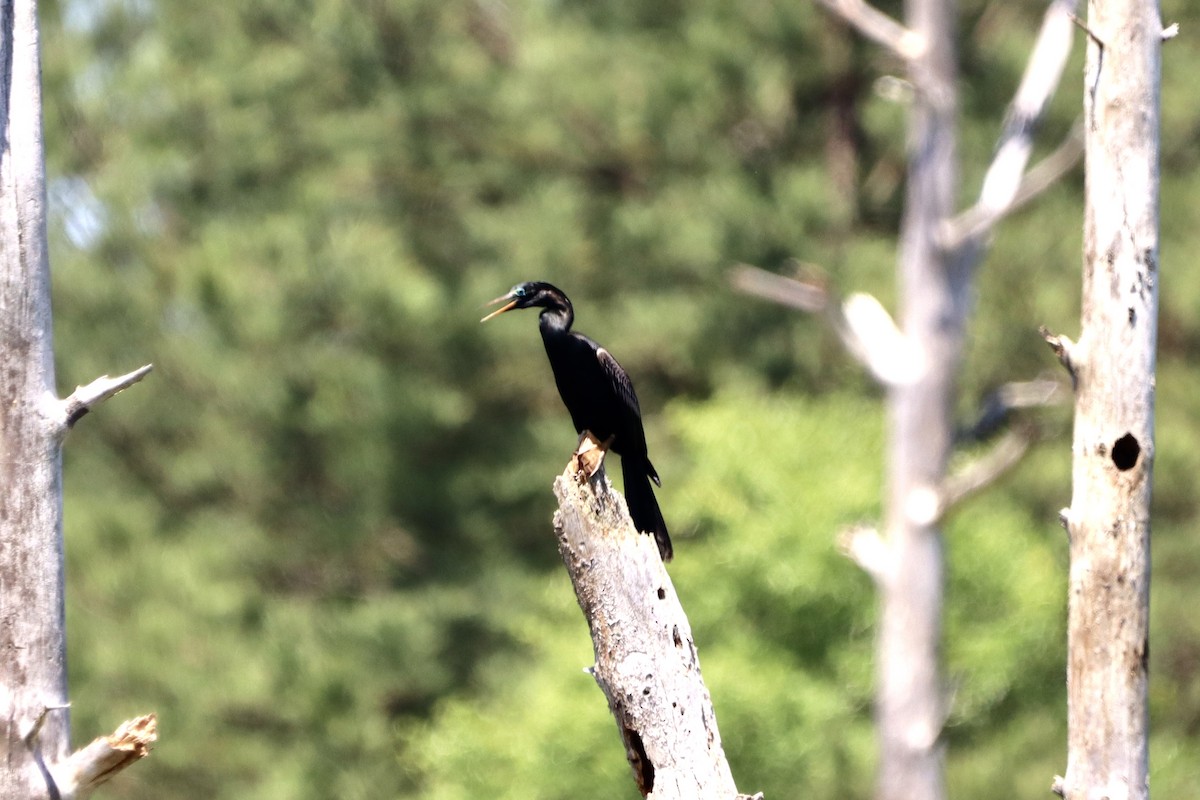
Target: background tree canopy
317	541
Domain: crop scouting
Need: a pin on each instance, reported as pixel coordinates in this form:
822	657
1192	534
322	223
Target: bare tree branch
864	326
646	660
878	27
864	546
1083	26
999	405
758	282
976	221
1003	181
977	475
1031	394
1043	73
1047	172
83	398
872	336
1063	347
89	767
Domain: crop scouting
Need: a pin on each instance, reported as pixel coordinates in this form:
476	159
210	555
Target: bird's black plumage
599	396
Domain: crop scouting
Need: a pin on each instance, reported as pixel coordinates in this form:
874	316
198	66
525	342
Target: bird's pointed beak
511	305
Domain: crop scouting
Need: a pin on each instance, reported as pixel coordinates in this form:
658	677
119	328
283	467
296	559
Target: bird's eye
519	291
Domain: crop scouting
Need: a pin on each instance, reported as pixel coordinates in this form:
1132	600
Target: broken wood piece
646	661
93	765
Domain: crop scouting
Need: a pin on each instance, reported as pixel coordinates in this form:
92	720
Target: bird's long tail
643	506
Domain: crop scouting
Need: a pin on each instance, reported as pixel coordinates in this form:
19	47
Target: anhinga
600	397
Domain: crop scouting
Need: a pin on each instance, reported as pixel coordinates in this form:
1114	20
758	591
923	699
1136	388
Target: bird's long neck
556	320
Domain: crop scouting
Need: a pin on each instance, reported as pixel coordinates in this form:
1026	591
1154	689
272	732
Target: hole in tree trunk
642	767
1125	452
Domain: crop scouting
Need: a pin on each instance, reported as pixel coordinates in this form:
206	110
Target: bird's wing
620	379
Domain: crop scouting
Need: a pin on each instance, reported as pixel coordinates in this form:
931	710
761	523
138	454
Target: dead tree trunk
1113	367
933	288
32	626
918	360
33	423
646	660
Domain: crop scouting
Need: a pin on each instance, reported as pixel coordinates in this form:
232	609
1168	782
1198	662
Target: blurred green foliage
316	540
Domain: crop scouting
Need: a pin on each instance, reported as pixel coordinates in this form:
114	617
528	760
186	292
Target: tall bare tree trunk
32	629
34	762
1113	364
933	297
919	360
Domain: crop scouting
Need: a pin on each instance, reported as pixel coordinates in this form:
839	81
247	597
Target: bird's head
529	294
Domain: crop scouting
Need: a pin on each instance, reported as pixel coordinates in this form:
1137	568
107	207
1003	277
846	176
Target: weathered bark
646	661
92	766
1113	366
33	423
934	304
32	626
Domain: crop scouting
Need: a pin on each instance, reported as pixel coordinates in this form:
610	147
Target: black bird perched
599	395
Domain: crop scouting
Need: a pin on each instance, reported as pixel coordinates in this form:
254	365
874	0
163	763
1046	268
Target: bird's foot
589	456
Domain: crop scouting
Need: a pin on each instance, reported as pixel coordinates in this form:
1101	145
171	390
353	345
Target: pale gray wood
92	766
32	625
934	302
646	659
1113	364
33	423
